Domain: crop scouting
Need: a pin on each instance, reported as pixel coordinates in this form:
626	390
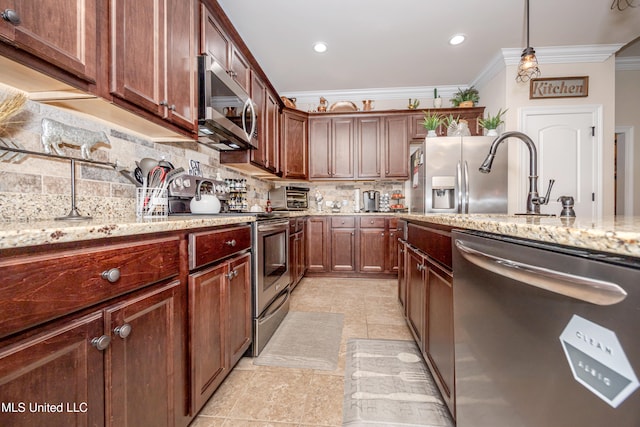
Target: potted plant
491	123
431	122
465	98
437	101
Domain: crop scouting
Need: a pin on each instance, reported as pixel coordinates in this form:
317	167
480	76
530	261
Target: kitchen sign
559	87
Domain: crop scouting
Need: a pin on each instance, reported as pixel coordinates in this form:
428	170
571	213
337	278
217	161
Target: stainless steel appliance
226	115
289	198
371	201
545	336
185	187
446	179
271	276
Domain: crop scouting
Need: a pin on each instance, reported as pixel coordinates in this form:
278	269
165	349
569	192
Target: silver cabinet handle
102	342
111	275
590	290
122	331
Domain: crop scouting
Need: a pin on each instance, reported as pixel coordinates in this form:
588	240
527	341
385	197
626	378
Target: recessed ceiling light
457	39
320	47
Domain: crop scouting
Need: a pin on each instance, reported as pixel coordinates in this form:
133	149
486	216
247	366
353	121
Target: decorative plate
343	106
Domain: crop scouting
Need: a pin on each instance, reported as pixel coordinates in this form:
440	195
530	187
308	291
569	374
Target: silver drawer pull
102	342
122	331
231	242
112	275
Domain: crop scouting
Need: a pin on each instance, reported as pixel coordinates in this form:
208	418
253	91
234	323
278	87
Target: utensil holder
152	202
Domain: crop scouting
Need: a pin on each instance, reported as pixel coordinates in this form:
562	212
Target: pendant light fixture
528	66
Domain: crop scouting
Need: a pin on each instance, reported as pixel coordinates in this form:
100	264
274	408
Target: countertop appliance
271	276
226	114
446	179
545	335
371	201
289	198
185	187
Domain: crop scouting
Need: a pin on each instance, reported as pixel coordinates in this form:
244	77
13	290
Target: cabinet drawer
209	246
368	222
343	222
435	243
36	288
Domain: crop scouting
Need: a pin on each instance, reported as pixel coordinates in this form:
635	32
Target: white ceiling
404	43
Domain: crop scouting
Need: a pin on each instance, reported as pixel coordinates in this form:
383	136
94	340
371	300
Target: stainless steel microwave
226	114
289	198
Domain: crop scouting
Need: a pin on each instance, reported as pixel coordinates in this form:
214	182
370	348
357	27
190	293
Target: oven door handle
272	312
276	226
590	290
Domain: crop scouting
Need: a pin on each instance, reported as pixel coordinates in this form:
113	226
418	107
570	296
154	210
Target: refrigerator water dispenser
443	192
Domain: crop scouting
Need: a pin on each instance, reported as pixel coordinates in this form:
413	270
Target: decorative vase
437	102
492	132
431	133
466	104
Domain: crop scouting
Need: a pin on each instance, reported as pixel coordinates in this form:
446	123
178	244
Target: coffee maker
371	201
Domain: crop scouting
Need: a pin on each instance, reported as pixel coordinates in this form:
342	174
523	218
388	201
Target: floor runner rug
387	383
305	340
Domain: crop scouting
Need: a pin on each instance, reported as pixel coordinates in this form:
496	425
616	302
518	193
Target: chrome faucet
533	199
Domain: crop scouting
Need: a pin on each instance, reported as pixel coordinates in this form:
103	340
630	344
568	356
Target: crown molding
507	56
628	63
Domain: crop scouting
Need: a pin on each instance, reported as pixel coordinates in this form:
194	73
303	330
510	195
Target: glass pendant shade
528	66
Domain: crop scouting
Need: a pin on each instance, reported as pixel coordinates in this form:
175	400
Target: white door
567	152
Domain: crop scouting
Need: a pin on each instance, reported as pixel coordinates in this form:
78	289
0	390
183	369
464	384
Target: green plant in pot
465	97
491	123
431	122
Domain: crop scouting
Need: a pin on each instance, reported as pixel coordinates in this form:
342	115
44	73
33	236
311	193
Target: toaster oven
289	198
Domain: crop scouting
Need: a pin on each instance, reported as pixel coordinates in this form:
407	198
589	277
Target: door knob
11	16
122	331
101	343
111	275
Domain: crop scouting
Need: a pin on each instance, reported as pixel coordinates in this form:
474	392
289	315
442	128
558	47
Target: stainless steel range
271	276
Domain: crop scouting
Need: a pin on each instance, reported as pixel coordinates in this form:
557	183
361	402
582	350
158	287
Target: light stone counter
21	234
619	235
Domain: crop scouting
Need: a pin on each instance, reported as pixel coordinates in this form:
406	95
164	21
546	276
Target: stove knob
186	183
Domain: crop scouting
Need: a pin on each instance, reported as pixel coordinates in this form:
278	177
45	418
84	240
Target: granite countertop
21	234
619	235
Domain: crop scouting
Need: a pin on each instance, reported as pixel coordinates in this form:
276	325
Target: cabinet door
181	64
57	366
239	302
343	250
207	319
272	122
318	244
294	146
342	147
416	296
62	32
141	360
396	148
259	155
213	40
320	148
368	146
402	276
392	249
239	68
293	258
138	50
373	249
302	253
440	329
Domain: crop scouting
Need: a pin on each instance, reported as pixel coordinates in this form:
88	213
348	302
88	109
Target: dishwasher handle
590	290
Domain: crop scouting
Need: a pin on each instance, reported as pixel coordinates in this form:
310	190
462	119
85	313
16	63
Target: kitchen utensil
403	357
137	173
208	204
156	177
404	376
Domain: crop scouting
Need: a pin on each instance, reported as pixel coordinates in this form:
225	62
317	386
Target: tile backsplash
37	188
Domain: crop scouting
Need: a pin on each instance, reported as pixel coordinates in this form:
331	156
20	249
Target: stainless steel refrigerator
445	176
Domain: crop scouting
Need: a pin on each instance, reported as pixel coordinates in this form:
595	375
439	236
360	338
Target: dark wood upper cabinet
471	115
153	57
369	146
396	147
61	32
294	146
331	146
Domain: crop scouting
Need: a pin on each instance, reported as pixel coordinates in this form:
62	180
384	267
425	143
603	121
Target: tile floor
261	396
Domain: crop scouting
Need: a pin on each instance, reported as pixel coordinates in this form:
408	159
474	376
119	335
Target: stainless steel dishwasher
545	335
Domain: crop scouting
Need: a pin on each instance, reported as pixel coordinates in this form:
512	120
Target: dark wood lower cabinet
56	366
373	250
140	362
343	248
318	245
416	295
